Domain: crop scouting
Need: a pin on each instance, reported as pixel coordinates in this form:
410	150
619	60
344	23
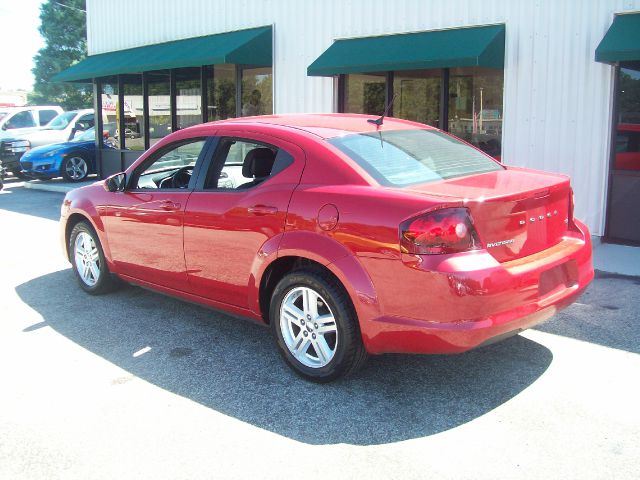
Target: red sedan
347	237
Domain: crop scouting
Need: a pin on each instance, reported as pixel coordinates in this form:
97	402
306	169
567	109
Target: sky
21	41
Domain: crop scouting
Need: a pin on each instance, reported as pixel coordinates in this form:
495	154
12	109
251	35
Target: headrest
258	163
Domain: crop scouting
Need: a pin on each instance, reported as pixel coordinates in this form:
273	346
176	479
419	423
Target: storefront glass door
624	194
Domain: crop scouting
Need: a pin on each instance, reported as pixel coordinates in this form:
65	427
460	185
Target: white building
519	78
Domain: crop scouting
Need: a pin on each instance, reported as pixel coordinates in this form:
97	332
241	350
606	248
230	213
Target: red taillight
443	231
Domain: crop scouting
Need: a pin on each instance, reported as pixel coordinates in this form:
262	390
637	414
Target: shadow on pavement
607	314
16	198
232	366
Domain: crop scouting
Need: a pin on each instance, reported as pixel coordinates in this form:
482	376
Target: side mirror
115	183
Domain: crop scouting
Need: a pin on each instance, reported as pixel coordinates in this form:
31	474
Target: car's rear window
408	157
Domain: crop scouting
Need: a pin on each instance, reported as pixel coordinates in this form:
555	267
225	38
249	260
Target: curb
48	188
54	187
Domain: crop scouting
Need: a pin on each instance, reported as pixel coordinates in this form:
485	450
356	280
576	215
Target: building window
473	111
188	97
417	96
149	106
159	105
110	106
257	88
221	87
365	94
475	107
133	138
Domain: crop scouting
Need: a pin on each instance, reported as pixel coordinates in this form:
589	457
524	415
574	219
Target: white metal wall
557	99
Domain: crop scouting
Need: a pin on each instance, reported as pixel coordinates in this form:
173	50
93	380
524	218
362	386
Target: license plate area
558	278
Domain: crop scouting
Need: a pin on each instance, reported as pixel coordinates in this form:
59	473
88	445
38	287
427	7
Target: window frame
46	111
216	163
81	119
151	159
27	112
206	76
445	76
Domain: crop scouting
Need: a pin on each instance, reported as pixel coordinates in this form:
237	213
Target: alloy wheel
87	259
308	327
76	168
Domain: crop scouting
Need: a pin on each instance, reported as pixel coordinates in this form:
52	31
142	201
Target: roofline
263	120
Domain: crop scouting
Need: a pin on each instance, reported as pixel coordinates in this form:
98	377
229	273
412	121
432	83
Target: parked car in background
62	128
15	120
72	160
1	176
627	147
349	235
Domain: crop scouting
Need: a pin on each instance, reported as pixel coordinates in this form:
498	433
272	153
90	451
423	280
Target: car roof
327	125
80	111
32	107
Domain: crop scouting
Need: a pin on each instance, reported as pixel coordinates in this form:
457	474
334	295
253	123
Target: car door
232	214
19	121
144	223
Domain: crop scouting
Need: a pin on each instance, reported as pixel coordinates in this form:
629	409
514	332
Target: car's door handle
262	210
169	205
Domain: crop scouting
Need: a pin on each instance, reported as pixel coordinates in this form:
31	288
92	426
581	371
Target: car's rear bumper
470	300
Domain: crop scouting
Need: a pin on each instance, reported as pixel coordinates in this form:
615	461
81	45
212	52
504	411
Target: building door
623	220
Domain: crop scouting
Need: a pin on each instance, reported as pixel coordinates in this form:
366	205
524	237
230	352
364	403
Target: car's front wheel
315	326
75	168
87	258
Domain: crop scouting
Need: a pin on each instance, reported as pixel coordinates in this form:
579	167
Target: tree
63	25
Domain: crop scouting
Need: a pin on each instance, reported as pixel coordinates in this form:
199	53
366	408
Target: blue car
73	160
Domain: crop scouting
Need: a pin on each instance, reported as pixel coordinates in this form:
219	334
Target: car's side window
46	116
242	164
21	120
171	167
85	122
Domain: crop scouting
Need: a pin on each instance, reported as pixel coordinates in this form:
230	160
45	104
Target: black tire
106	281
349	354
75	157
19	174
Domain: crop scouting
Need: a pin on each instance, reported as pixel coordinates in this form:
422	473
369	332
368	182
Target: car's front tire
88	261
315	326
75	168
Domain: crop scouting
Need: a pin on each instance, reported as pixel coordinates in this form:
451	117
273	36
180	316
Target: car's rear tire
315	326
88	261
75	167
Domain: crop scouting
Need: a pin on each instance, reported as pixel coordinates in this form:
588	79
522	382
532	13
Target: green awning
622	41
459	47
246	47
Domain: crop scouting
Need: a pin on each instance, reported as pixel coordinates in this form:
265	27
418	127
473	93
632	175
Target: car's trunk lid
516	212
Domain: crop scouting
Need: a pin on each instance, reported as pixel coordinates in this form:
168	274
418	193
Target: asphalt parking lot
138	385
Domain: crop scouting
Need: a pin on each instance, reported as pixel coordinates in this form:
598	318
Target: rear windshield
408	157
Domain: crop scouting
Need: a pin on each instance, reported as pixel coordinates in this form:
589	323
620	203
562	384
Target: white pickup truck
17	120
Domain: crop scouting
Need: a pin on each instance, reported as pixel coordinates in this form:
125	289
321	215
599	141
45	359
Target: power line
70	7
